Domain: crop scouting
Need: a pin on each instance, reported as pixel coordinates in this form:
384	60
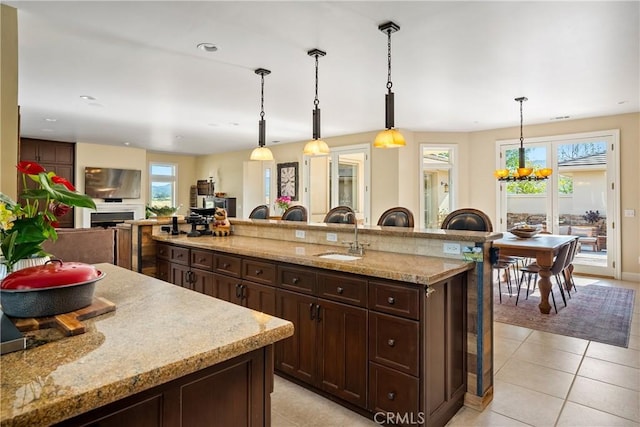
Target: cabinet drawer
202	259
394	342
343	288
227	264
258	271
394	392
395	299
297	279
179	255
163	251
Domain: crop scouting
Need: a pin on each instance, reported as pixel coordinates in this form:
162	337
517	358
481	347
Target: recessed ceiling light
49	119
208	47
234	124
275	141
87	97
127	143
622	102
178	136
560	118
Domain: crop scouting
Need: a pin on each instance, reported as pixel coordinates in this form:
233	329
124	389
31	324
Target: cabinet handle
391	300
179	256
238	290
318	312
391	395
243	291
311	314
295	280
391	342
202	260
225	265
340	290
258	272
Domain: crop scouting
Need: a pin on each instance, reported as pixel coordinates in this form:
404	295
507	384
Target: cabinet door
201	280
259	297
162	269
445	346
179	275
342	344
225	288
297	354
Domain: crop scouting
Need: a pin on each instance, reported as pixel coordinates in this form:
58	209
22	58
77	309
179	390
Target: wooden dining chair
533	269
295	213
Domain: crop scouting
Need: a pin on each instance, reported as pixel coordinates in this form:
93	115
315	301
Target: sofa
88	245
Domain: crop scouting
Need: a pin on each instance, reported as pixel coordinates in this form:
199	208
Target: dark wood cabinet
381	345
219	276
123	247
296	355
54	156
329	348
342	347
233	393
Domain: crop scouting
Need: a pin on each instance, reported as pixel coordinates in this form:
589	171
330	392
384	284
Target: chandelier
522	173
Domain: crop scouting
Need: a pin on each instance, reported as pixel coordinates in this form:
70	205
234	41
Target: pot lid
54	273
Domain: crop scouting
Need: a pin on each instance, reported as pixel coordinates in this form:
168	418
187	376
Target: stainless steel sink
339	257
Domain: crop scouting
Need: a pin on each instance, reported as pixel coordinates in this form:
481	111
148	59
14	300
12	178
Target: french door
581	196
340	179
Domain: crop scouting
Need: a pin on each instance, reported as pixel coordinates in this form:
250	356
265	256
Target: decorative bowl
524	233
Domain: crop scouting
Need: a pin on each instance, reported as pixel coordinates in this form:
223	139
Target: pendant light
523	173
262	152
390	137
316	147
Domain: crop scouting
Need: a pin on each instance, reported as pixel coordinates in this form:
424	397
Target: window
162	181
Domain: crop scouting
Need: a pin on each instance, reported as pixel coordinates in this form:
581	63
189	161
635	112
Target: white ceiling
456	66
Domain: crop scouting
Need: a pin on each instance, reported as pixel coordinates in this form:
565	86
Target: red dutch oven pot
50	289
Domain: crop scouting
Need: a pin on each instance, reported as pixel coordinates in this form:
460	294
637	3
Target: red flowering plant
24	227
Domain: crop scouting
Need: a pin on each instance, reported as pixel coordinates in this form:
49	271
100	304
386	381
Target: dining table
543	248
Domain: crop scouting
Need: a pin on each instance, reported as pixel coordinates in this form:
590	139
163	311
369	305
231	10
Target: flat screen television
111	183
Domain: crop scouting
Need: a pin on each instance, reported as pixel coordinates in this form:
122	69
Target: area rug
596	313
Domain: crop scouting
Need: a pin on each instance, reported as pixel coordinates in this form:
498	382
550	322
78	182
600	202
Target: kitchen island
402	329
167	356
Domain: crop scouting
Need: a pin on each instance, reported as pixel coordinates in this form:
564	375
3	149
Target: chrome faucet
355	247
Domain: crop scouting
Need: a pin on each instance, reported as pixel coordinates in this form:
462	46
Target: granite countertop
159	332
417	269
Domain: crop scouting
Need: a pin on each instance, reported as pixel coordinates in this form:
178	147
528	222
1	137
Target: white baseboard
631	277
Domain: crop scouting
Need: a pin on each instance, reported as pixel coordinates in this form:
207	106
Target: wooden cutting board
68	323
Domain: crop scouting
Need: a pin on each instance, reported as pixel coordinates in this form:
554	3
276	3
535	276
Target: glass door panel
438	166
582	200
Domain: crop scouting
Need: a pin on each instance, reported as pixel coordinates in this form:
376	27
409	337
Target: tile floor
541	379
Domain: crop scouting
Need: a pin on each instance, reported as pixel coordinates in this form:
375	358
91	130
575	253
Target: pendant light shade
262	152
522	173
390	137
316	147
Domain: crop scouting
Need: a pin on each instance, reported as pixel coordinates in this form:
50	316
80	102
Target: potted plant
24	227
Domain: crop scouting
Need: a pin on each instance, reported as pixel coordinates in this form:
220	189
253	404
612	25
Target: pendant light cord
521	137
262	97
389	84
316	101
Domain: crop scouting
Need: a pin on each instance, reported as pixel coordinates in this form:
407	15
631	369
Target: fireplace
110	214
